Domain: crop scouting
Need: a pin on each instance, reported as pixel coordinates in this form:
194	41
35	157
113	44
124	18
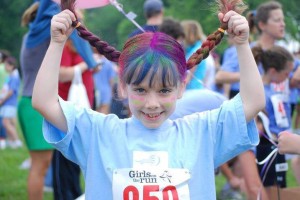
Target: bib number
151	184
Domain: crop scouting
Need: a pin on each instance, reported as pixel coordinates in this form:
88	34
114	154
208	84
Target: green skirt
31	125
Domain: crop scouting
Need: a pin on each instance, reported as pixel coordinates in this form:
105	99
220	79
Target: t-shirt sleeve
84	129
231	133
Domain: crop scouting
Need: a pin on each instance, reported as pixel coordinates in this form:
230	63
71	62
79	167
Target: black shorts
272	177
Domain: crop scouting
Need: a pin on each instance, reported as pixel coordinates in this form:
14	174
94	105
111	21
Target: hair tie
77	25
221	30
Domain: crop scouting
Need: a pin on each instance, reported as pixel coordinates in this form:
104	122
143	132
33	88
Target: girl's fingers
228	15
62	27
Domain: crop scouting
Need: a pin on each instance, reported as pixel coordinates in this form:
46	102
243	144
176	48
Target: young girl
149	155
277	64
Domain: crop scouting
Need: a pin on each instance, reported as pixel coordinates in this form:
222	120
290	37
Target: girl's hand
238	28
61	26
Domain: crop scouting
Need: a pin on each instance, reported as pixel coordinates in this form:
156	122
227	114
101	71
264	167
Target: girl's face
8	67
278	77
153	105
275	26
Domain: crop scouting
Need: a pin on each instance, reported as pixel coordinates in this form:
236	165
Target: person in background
34	46
104	82
269	22
9	101
153	87
154	14
3	75
194	36
277	64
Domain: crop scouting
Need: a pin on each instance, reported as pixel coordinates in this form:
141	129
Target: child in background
9	101
148	154
277	64
3	75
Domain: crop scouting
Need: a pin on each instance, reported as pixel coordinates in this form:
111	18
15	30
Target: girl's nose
152	101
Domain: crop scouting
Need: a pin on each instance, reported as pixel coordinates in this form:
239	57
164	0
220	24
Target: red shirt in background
69	59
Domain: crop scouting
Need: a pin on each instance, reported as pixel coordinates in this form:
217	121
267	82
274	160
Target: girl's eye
139	90
165	91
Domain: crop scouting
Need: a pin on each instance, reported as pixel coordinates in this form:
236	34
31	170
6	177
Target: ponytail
215	38
102	47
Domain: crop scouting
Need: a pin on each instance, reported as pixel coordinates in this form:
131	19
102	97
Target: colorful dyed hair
276	57
155	53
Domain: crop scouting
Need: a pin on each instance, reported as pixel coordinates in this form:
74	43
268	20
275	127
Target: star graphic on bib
166	176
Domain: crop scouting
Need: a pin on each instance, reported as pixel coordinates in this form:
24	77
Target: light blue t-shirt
101	144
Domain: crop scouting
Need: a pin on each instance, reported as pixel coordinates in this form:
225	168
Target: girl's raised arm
251	86
45	91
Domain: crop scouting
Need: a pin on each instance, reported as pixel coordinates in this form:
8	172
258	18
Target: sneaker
227	193
26	164
2	144
48	189
14	144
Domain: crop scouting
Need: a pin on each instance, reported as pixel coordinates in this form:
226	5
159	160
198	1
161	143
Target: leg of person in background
48	183
40	161
232	189
2	135
295	161
251	176
295	164
12	135
66	178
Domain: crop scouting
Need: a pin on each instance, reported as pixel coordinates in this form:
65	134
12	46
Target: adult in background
34	47
154	14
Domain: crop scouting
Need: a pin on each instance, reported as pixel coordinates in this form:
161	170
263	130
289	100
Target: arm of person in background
228	72
288	143
45	91
8	94
251	86
295	79
66	74
227	77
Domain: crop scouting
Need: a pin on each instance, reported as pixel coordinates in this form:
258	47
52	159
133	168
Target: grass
13	180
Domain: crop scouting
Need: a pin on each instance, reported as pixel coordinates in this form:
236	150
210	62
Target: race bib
279	111
151	184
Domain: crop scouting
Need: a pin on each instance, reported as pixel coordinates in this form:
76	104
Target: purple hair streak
155	53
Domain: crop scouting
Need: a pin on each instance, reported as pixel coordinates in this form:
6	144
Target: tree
11	33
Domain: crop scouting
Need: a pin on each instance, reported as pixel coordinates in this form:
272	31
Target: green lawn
13	179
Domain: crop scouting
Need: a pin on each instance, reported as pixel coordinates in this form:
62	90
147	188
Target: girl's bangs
161	70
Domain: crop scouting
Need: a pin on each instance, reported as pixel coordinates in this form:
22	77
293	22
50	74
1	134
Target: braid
215	38
102	47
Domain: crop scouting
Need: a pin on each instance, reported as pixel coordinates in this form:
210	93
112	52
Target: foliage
113	27
10	22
